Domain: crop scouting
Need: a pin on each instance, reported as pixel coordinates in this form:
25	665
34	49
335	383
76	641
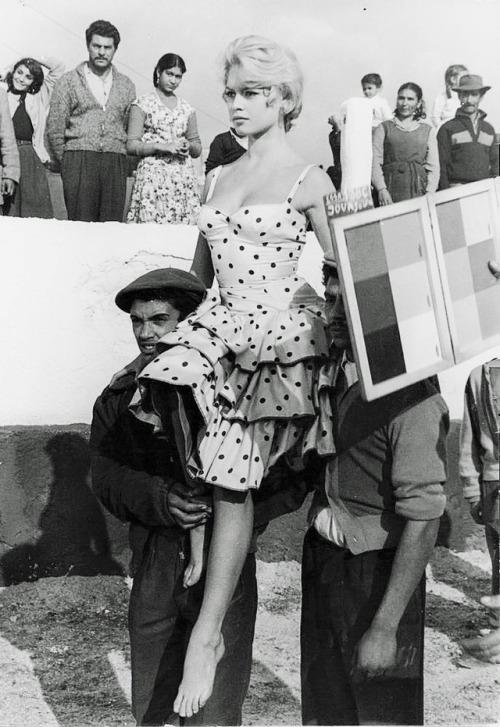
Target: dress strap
213	183
303	173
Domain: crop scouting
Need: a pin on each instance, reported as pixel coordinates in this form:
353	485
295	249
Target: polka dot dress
254	354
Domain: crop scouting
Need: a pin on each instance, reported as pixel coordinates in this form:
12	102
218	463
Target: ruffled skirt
258	369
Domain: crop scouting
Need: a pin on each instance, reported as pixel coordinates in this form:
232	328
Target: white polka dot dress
254	354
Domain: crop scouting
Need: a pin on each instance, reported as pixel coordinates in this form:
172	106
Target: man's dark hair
184	301
372	78
103	28
329	271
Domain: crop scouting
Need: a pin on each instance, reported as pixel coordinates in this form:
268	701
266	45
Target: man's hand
475	511
384	197
375	654
188	512
486	648
8	187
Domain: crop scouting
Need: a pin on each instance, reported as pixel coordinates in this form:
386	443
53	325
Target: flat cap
160	279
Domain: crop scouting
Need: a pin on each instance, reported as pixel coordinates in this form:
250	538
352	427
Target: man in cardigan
467	149
374	523
87	130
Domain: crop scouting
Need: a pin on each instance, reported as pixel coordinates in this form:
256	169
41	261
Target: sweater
77	122
479	450
390	465
466	155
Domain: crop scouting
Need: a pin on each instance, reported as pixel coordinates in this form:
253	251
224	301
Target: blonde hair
269	62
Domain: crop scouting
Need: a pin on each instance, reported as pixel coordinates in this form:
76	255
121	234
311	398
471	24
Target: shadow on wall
74	537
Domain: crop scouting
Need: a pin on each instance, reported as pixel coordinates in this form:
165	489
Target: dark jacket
224	149
133	469
464	155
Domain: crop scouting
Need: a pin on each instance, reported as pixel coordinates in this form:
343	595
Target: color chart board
395	307
419	294
465	226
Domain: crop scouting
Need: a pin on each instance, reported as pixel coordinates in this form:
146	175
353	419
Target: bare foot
198	677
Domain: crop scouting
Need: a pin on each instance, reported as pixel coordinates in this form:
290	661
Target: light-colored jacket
479	451
37	105
9	156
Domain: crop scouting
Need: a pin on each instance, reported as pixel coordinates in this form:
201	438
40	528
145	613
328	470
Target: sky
336	41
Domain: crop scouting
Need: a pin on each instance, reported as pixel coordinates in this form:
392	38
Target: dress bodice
258	244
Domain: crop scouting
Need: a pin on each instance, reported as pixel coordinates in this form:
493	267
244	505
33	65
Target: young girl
29	91
447	102
162	130
248	369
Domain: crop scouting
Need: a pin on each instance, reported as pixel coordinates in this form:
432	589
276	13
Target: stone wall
52	525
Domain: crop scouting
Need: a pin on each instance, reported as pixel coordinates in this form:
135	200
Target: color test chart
420	296
465	224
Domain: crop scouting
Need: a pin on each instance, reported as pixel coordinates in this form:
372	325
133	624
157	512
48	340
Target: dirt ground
64	649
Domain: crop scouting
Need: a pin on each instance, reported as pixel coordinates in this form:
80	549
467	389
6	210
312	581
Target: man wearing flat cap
137	475
467	149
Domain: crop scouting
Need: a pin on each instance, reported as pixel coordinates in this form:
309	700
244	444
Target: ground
64	649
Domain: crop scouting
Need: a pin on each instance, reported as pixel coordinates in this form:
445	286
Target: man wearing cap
373	527
137	475
467	149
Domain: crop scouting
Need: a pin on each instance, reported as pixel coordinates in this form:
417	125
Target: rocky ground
64	654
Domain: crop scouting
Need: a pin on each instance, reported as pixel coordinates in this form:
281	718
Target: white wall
63	336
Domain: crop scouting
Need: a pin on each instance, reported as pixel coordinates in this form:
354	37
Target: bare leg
193	572
233	522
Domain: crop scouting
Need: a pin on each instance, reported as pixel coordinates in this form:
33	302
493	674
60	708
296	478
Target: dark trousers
161	616
95	185
32	195
490	508
340	594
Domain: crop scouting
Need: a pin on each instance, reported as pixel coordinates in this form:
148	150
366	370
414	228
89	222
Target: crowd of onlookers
87	123
255	382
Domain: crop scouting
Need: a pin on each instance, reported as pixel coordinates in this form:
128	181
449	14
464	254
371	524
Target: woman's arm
193	137
202	265
378	180
311	201
135	131
378	139
432	163
55	69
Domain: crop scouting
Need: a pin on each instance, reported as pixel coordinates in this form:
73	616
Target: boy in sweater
87	130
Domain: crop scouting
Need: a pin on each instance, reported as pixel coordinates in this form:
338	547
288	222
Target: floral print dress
166	188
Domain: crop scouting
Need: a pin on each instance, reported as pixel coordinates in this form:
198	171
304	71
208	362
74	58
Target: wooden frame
394	302
465	221
419	294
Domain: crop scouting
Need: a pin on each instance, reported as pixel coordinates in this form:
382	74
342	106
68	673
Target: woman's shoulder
313	182
185	105
146	98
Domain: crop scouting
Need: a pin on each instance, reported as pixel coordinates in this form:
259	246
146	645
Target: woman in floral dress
162	130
